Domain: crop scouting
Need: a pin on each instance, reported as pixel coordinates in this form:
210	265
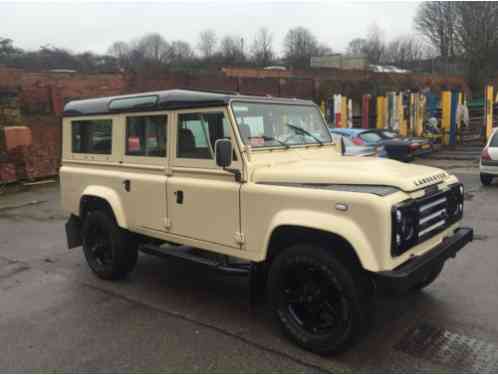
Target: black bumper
73	232
415	270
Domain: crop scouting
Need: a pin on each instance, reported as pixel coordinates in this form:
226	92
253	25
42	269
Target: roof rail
227	92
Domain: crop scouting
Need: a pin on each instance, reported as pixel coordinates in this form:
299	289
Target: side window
92	137
146	136
198	133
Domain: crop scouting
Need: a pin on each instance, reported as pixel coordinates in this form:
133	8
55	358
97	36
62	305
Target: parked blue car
392	145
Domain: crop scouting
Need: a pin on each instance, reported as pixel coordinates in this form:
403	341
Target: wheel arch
98	197
306	226
284	236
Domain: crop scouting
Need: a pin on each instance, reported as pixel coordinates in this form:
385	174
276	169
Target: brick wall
36	99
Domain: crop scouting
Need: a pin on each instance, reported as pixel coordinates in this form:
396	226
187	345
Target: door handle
127	185
179	196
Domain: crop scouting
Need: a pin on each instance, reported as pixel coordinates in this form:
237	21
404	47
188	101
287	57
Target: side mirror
223	149
340	145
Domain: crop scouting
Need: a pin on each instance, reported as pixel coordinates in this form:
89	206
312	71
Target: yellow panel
446	116
381	112
489	110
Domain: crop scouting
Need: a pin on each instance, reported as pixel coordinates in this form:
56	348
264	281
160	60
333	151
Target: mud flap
73	232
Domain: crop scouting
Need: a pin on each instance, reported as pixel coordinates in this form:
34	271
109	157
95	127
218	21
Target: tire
429	279
111	252
486	179
319	302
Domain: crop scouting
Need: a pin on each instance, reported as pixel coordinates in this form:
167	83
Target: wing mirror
223	149
340	145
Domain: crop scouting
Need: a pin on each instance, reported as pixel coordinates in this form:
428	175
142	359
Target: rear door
143	169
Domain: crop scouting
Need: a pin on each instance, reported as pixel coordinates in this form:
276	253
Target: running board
241	269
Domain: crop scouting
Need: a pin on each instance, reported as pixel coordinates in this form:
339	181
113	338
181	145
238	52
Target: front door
203	200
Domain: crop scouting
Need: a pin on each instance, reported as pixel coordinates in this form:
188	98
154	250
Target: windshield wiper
266	138
304	131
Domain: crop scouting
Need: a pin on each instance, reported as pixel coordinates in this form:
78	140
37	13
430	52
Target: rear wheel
317	300
110	251
486	179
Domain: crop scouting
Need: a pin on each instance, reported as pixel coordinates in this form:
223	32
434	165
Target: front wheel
317	300
486	179
110	251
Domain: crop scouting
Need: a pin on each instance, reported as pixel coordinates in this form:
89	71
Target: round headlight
408	227
399	216
461	189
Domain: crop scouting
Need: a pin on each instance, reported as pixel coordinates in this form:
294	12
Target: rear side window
146	136
92	137
494	141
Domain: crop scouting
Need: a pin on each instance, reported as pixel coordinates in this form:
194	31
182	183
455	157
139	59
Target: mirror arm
235	172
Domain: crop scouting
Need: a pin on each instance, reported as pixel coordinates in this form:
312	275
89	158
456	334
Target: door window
146	136
198	132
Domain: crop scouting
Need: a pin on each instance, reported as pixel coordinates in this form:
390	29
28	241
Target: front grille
432	215
427	216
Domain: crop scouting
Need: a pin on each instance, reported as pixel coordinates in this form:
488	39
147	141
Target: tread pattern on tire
124	247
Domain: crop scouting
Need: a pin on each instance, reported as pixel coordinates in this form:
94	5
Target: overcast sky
94	26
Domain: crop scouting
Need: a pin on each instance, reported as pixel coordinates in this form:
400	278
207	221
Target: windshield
390	134
279	125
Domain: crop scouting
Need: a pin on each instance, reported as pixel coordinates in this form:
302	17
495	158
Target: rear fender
112	198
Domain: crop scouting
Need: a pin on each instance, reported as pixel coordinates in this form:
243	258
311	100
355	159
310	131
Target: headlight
404	227
455	202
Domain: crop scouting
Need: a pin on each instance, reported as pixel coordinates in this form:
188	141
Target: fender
112	197
341	226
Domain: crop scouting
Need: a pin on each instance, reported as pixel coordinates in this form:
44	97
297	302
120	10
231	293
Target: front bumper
415	270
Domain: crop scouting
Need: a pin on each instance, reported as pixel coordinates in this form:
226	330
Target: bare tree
375	47
477	33
232	50
180	52
299	46
121	52
6	47
357	47
154	48
437	20
404	52
262	48
207	43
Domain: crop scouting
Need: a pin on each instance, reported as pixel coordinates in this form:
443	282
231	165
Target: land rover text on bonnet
255	185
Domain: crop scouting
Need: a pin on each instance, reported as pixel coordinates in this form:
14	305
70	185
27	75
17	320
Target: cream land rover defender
255	185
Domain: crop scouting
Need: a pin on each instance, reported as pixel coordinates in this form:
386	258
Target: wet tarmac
173	316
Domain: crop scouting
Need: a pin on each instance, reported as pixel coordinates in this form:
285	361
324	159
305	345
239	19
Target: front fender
111	197
339	225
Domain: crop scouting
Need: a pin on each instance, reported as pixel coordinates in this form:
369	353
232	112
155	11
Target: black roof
163	100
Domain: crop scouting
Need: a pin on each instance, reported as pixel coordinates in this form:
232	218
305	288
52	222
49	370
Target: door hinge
167	223
240	238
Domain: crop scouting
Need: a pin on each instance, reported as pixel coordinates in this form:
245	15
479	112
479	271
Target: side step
241	269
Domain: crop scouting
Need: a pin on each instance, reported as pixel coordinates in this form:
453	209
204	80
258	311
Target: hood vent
430	180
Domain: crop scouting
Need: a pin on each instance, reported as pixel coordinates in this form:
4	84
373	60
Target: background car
418	145
488	166
393	146
351	149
